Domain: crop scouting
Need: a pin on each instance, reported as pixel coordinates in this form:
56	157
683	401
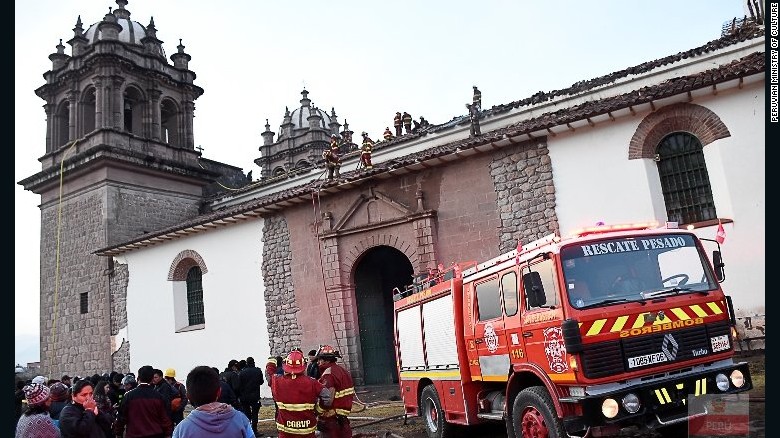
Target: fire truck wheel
435	424
533	415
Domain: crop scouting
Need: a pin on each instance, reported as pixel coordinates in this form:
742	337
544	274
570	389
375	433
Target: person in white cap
36	422
40	380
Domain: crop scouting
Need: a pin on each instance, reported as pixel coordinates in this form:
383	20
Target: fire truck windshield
610	271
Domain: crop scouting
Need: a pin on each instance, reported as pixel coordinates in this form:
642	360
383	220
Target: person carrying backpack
179	401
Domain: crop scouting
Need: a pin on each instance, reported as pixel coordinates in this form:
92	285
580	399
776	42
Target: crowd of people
312	396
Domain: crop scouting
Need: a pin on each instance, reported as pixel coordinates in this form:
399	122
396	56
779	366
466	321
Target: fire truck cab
612	330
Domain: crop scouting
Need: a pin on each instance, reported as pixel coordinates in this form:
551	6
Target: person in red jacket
295	395
333	420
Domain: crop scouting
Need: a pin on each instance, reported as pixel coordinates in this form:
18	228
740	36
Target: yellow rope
57	260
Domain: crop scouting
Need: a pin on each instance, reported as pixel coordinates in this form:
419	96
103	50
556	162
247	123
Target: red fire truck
615	329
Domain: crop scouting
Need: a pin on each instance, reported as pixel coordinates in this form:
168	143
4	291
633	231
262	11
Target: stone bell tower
119	161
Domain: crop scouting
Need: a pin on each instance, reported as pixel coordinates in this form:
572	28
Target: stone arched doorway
376	274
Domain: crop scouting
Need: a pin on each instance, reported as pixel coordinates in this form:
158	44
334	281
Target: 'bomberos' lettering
660	327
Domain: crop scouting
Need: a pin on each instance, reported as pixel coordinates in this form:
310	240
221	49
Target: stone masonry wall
73	342
118	281
281	309
133	212
525	194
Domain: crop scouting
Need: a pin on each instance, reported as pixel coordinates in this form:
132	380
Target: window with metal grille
84	302
684	179
195	296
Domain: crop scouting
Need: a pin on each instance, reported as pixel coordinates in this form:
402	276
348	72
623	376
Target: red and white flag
720	235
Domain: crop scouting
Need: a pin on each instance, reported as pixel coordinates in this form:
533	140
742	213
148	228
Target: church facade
292	259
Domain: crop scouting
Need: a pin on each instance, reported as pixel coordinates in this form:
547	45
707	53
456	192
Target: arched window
169	123
87	109
186	277
195	296
61	126
133	107
684	179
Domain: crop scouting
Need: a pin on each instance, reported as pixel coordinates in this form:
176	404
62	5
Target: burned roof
751	64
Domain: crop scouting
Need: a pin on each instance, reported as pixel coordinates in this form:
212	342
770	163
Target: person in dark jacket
230	375
142	412
313	369
165	389
60	397
250	380
82	418
226	393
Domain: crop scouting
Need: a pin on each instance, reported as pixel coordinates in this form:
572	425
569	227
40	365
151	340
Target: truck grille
611	357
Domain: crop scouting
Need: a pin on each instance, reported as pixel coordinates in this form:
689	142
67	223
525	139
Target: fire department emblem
491	339
555	349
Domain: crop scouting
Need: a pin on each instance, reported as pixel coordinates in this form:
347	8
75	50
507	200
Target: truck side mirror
717	262
534	290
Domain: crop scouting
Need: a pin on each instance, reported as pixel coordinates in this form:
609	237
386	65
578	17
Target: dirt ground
383	402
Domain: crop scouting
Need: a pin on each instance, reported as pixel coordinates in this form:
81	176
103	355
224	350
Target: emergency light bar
513	254
616	227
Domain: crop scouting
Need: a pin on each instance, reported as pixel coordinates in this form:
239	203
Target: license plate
647	359
720	343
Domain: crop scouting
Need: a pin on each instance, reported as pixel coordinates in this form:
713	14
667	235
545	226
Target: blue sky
364	58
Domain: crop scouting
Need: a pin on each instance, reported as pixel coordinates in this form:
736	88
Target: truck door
513	328
541	318
489	337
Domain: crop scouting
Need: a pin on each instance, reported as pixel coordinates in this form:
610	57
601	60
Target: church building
146	245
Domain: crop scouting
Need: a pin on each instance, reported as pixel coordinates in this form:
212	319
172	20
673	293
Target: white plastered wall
234	308
595	181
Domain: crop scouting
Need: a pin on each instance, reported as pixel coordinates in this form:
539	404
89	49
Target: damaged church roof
751	64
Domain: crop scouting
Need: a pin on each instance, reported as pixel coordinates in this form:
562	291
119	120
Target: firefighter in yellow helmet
295	395
333	421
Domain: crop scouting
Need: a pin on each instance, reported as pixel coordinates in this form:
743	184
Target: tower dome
132	31
300	116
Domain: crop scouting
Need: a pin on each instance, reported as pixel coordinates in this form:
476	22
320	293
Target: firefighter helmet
294	363
327	352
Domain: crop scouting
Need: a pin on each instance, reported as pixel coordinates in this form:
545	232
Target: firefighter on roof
365	151
295	395
333	421
388	134
476	99
397	123
331	156
407	119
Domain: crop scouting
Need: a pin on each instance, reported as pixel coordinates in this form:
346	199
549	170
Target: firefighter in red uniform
407	119
365	151
388	134
333	421
331	156
295	395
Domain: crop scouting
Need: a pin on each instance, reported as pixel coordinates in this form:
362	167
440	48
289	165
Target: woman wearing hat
36	422
82	418
60	397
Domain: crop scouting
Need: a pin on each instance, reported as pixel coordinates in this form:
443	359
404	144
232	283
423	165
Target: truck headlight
631	403
609	407
722	382
737	379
